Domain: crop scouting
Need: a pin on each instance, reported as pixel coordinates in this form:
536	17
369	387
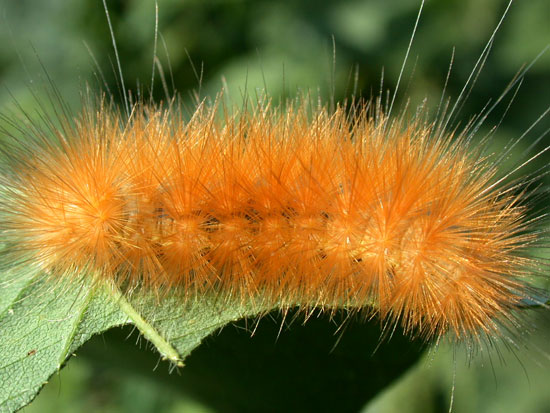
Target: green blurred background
286	47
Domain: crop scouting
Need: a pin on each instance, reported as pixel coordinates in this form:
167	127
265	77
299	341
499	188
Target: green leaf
42	325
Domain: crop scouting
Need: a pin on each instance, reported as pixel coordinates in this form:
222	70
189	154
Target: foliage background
286	47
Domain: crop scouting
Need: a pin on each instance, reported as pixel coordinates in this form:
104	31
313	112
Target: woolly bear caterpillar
133	229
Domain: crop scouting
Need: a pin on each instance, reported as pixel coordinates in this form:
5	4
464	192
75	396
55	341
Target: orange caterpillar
342	209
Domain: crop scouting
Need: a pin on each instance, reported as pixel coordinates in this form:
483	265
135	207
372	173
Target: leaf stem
167	351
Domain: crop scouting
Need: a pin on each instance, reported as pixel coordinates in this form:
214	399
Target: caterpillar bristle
297	204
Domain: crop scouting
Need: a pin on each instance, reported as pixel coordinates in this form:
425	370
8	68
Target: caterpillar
355	207
320	210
